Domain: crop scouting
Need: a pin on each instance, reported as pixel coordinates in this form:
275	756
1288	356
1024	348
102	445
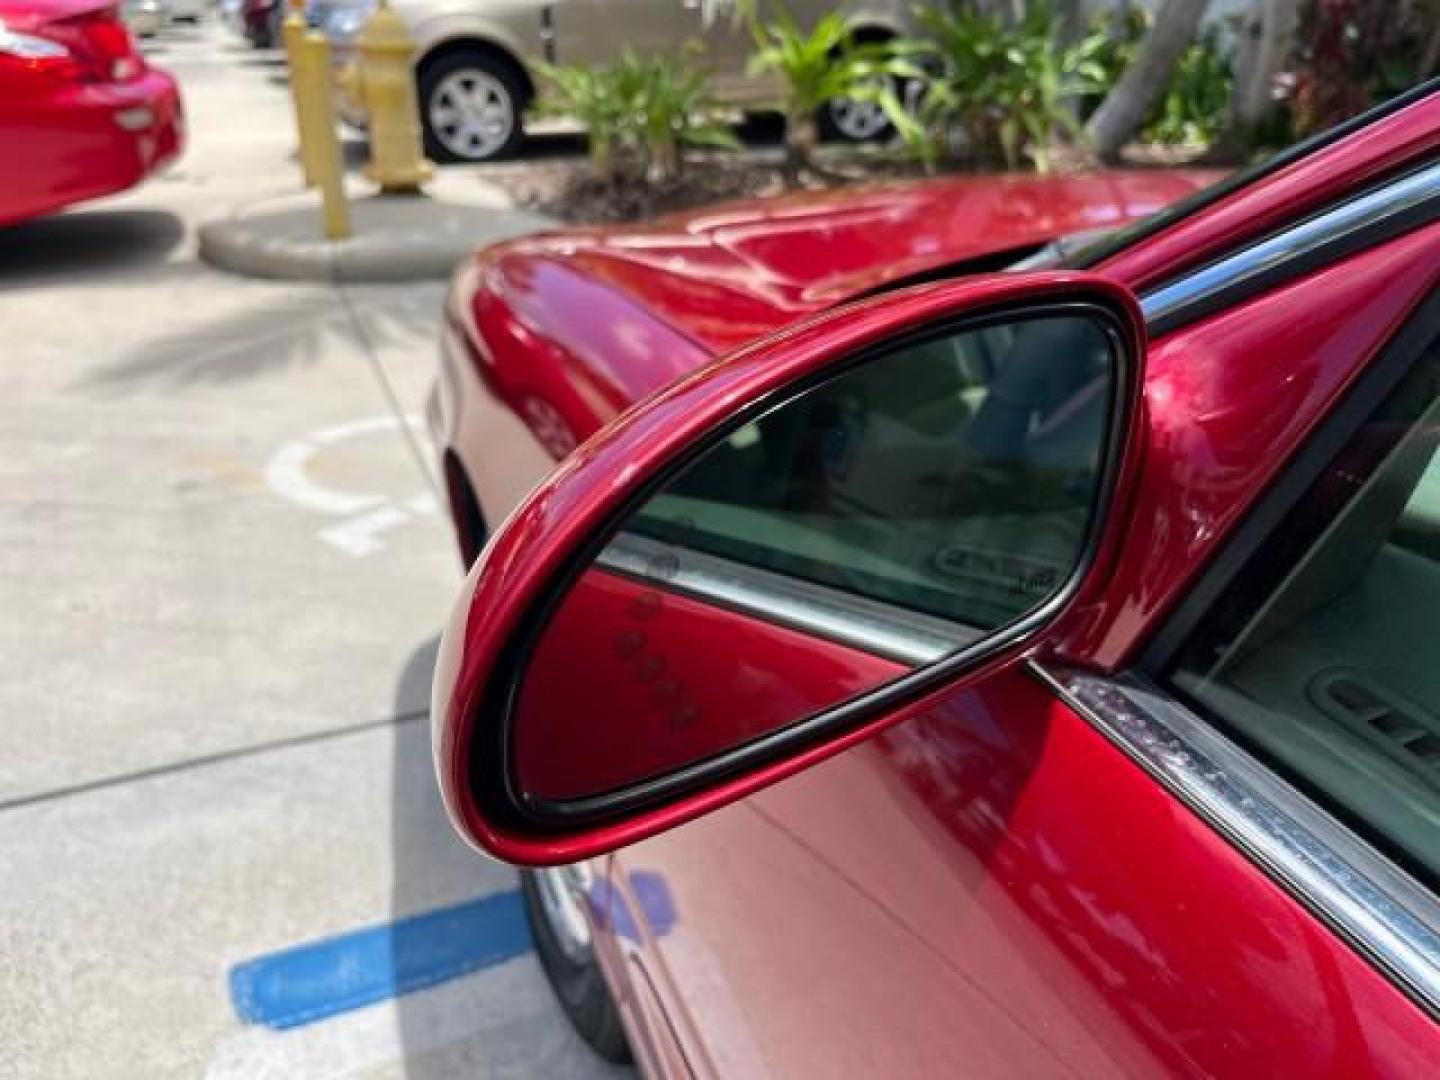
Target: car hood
726	275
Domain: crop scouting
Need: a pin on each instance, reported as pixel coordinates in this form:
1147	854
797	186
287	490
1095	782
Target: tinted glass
1324	655
955	478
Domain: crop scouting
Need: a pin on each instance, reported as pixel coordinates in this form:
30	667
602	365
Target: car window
1324	654
956	479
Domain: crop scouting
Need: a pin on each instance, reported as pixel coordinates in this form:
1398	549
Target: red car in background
907	669
261	21
81	112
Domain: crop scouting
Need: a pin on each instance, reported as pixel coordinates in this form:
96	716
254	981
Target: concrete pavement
223	571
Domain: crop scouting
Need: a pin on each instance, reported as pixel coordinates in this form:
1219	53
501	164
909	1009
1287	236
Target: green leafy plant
818	66
1009	88
1193	110
674	109
639	112
599	98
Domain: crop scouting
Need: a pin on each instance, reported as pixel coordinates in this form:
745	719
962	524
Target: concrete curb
396	238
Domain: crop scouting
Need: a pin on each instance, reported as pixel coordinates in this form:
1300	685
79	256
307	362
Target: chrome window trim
1383	211
871	625
1360	893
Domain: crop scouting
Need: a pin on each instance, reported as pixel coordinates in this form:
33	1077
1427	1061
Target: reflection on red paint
630	682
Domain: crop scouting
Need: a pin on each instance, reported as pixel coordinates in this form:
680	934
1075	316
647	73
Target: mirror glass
908	504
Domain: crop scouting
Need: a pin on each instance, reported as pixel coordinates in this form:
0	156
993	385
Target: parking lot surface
224	569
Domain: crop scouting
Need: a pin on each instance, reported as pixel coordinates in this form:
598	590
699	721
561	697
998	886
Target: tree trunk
1122	16
801	139
1266	38
1249	31
1126	106
602	159
664	159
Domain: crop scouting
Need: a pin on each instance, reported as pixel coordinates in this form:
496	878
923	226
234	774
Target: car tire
472	79
845	121
572	969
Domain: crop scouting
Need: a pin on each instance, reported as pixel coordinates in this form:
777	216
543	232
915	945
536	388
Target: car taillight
101	42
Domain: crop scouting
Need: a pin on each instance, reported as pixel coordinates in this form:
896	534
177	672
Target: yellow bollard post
316	86
387	87
292	30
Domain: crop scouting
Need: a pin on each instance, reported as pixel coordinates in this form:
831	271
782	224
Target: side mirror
783	553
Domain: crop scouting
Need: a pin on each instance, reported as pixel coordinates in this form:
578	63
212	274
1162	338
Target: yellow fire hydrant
386	84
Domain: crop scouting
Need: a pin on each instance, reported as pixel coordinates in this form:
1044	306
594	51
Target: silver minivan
475	62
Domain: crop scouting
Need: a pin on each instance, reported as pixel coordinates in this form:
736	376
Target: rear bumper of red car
150	113
85	140
139	125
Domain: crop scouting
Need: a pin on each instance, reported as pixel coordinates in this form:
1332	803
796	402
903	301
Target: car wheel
844	120
470	106
567	953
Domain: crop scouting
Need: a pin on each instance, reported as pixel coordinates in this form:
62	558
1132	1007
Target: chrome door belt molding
1366	219
1360	893
876	627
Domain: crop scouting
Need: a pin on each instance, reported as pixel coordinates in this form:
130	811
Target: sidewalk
394	237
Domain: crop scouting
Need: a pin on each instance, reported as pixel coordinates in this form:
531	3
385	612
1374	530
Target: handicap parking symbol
365	517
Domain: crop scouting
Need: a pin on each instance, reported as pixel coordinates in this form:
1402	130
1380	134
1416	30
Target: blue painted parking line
322	978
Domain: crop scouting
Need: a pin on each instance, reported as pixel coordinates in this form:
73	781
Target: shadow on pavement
502	1021
264	61
257	341
86	244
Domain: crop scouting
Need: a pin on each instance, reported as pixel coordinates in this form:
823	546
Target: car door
1218	858
598	32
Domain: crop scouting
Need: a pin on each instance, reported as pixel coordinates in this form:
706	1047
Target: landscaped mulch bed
566	188
569	191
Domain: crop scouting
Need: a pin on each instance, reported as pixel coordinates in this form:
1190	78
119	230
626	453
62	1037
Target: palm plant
1009	88
599	98
819	66
674	108
639	112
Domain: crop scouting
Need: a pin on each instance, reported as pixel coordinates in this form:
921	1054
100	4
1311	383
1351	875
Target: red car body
82	114
993	882
261	21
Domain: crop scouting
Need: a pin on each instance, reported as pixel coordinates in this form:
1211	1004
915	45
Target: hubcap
858	120
560	890
471	113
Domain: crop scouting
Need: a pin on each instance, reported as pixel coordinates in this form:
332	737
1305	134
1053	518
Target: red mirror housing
515	589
